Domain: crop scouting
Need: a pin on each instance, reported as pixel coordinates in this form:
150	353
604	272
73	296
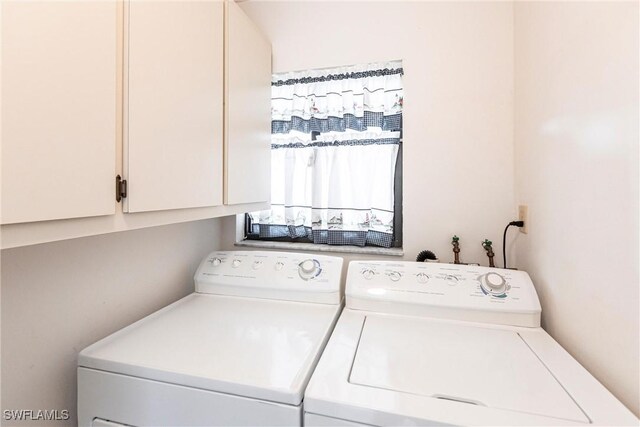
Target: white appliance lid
472	364
257	348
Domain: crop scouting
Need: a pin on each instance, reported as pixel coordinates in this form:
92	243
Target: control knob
368	274
451	279
422	277
394	276
494	284
236	263
215	261
309	269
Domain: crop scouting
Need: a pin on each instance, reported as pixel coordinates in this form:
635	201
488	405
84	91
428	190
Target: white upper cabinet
248	111
58	109
173	104
174	95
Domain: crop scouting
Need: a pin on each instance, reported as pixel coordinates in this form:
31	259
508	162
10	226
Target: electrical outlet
523	215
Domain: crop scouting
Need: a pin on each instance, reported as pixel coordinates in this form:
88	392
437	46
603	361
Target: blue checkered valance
330	101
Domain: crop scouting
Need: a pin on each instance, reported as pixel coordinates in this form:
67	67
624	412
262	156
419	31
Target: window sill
367	250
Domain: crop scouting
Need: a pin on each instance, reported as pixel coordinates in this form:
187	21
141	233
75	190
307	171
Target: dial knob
451	279
308	265
309	269
422	277
394	276
494	280
368	274
279	265
215	262
236	263
494	284
256	265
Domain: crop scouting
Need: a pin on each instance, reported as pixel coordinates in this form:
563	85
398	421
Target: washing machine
444	344
238	351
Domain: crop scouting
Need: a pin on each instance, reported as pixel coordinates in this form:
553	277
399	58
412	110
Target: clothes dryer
238	351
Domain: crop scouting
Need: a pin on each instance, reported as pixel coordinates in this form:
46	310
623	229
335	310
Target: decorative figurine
456	249
487	246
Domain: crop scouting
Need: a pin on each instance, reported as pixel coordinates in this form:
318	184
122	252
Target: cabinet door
248	111
173	104
58	109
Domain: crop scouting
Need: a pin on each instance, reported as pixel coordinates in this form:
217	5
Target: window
336	158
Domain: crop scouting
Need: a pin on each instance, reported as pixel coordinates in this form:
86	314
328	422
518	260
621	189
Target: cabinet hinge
121	188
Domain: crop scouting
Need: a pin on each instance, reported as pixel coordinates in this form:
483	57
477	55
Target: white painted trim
31	233
368	250
241	240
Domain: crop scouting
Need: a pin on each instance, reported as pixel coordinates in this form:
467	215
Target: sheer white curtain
335	141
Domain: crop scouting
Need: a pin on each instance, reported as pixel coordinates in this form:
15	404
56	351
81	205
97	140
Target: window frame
397	240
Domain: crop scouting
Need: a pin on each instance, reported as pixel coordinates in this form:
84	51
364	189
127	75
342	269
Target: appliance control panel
451	291
274	275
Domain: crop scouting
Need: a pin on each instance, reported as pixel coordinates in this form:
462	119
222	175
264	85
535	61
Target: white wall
573	162
576	128
57	298
458	115
577	169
